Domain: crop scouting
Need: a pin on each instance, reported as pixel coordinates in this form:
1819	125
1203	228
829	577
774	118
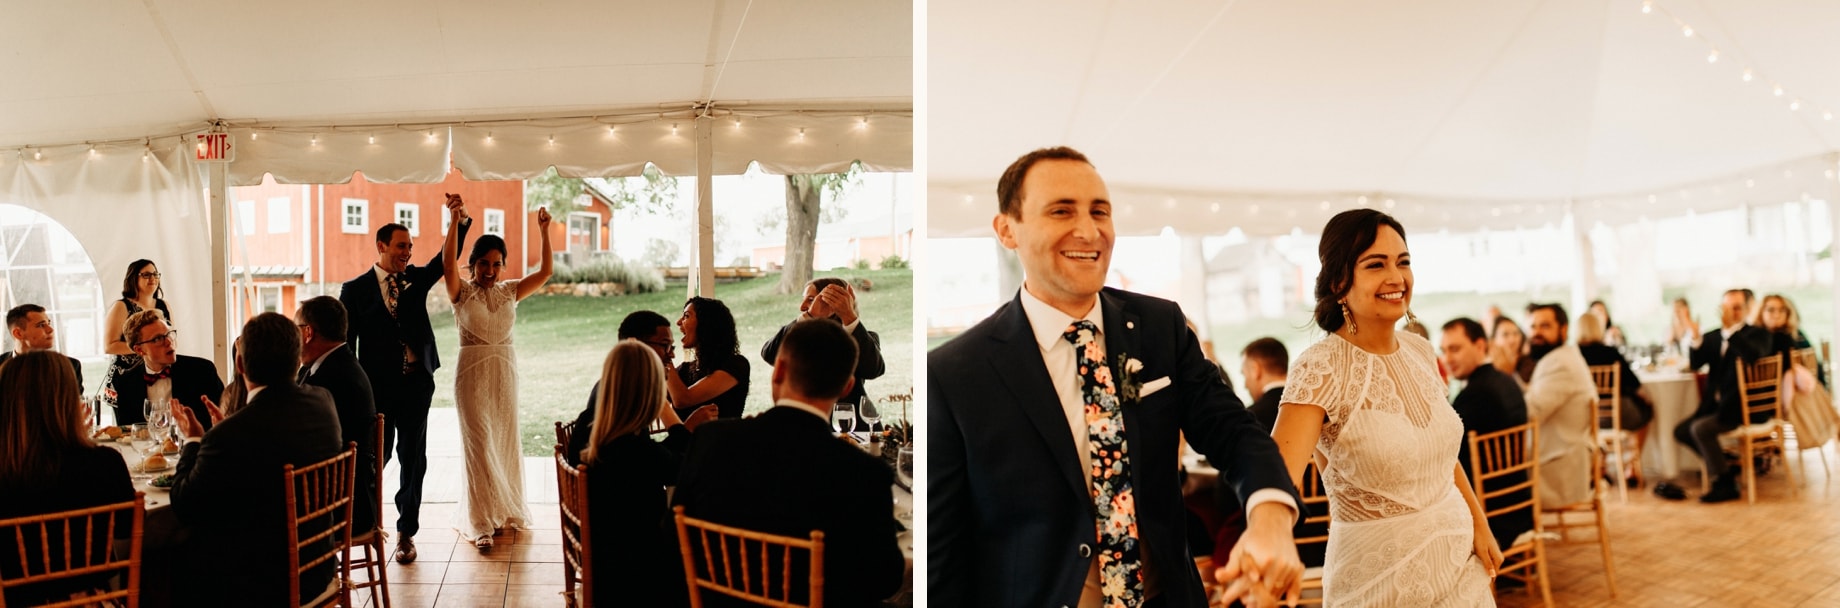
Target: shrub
860	264
893	261
637	279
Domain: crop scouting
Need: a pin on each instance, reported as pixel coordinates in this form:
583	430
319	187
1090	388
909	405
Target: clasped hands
1263	571
188	424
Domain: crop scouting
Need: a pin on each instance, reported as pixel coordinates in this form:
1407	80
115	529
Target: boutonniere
1128	384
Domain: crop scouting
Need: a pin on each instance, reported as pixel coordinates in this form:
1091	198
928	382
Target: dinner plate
168	467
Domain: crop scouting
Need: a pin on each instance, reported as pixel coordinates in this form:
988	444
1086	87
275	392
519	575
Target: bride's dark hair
1343	239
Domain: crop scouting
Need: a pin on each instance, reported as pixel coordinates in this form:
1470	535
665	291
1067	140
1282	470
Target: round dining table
1676	397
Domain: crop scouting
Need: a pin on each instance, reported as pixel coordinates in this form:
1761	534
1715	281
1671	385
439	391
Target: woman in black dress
48	463
140	290
718	374
635	561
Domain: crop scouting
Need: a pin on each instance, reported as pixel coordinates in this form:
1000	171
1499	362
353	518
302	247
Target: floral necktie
1120	568
397	282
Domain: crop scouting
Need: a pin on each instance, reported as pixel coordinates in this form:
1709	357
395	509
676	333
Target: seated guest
653	330
32	330
636	561
1720	352
235	395
1564	399
1264	362
327	362
166	375
718	374
1508	350
1490	401
1777	315
1635	408
49	464
832	298
227	490
1613	335
815	481
1682	327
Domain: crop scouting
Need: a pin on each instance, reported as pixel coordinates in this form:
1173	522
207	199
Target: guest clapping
165	375
32	330
227	491
832	298
635	556
48	464
718	374
140	290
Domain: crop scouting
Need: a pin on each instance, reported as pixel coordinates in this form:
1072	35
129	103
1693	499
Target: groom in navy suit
1054	423
388	307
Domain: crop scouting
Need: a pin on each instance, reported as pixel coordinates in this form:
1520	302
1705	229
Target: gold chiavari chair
572	499
755	553
1594	506
69	544
319	499
370	542
1500	454
1609	381
1760	394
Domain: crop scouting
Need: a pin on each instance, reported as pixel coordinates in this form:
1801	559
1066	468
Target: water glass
904	465
843	416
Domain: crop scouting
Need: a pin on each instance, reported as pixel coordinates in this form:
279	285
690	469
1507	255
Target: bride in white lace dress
485	383
1405	528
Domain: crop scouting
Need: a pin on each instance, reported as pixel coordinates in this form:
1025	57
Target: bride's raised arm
450	249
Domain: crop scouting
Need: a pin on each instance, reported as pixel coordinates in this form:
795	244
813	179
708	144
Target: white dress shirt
160	392
1049	324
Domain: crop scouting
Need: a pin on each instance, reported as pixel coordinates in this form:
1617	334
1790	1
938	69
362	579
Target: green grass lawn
561	341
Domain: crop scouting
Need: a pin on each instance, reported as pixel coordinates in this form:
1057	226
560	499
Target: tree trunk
803	196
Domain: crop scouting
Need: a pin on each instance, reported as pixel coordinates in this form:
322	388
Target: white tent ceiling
1270	115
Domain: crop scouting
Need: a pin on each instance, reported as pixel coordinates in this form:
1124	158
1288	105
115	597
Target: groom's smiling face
1062	231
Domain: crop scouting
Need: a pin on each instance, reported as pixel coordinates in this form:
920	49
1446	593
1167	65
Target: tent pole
705	283
1833	199
220	265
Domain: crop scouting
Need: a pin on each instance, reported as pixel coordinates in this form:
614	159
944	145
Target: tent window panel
409	215
246	217
356	216
495	222
278	216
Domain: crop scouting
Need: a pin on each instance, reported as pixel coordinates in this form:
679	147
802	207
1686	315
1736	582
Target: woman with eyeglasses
140	290
485	383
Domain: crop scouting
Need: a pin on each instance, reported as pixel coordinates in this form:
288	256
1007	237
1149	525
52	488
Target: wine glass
843	416
869	416
904	465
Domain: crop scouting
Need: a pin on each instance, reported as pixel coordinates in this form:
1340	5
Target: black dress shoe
1670	491
1722	491
405	551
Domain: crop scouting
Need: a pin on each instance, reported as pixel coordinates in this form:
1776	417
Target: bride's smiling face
1382	289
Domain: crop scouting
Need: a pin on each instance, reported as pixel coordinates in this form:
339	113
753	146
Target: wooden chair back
1805	357
319	498
1760	387
77	543
1609	381
565	431
757	554
1497	455
572	496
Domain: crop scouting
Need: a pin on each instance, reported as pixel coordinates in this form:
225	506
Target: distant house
1253	280
585	234
292	242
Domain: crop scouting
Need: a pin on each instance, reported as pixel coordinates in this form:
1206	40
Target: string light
431	135
1215	208
488	137
552	139
864	124
737	122
315	140
1795	105
1747	74
1827	116
1686	30
1713	57
1778	90
373	138
801	132
1648	6
252	136
92	150
673	128
610	129
38	155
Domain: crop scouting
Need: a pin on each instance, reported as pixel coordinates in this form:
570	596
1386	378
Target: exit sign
214	147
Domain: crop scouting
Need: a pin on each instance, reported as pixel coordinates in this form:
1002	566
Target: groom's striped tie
1120	569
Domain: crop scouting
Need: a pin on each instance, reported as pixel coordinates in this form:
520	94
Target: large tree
804	211
650	192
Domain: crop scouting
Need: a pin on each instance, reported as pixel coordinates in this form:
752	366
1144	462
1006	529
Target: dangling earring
1411	317
1350	318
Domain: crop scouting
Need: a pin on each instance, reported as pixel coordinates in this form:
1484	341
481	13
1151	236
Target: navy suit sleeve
869	364
348	298
1218	425
951	518
1707	353
432	271
770	351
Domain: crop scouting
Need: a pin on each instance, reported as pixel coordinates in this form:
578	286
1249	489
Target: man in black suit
32	330
388	309
1722	351
327	363
817	481
1265	363
1014	416
832	298
168	375
227	491
1490	401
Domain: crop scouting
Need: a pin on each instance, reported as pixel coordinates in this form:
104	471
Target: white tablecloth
156	497
1676	395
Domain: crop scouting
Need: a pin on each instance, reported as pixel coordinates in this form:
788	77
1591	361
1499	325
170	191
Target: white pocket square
1152	387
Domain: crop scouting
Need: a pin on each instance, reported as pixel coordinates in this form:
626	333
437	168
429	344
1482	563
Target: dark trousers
1703	433
404	405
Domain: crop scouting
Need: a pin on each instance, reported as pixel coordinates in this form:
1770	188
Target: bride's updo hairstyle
1343	239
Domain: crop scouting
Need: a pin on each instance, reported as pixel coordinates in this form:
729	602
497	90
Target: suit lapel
1016	351
1121	341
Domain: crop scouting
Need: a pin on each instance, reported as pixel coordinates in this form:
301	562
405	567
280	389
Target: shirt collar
1270	386
805	407
251	397
1049	323
314	369
1726	332
378	270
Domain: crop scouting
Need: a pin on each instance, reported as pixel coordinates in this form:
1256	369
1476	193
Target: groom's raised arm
950	516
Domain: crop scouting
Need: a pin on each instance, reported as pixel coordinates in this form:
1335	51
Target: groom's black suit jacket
192	378
1010	518
378	337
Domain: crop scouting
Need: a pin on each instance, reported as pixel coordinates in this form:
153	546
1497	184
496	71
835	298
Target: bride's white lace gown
1400	533
485	393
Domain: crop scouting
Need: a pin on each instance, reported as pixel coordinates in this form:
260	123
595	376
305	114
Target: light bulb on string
1747	74
864	123
737	122
1648	6
1750	183
1712	57
38	155
431	135
1686	30
610	129
673	128
314	140
1651	199
373	139
1827	116
1778	92
252	136
1215	208
1324	206
1795	105
801	132
552	139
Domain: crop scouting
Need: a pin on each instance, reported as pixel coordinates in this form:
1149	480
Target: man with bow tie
167	375
388	309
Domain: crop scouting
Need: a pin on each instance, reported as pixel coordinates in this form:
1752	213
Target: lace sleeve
1311	380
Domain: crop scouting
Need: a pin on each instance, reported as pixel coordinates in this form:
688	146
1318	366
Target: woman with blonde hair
1636	408
48	463
635	554
1777	314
